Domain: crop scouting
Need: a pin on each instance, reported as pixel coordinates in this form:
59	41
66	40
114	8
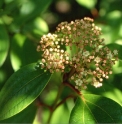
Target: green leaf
60	115
1	3
36	27
17	52
4	43
87	3
28	11
23	51
25	116
114	46
107	90
21	89
91	109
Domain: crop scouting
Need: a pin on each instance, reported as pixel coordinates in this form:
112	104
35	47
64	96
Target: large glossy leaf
21	89
107	90
25	116
4	43
91	109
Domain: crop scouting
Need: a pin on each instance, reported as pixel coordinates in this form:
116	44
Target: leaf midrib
18	91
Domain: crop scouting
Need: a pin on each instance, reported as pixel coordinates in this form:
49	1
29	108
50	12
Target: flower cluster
77	45
54	57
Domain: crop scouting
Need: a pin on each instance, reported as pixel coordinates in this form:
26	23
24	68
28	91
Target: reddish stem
72	87
40	103
61	102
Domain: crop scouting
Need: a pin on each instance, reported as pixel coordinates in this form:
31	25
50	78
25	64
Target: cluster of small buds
87	55
53	58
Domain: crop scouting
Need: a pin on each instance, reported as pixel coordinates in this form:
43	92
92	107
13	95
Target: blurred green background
23	22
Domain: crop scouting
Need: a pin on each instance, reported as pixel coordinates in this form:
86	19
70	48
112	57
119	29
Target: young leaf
91	109
21	89
4	43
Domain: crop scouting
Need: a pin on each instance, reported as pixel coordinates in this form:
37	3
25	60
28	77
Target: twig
40	103
61	102
73	88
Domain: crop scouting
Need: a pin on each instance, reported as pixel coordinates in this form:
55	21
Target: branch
61	102
73	88
40	103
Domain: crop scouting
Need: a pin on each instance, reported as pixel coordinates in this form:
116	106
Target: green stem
55	102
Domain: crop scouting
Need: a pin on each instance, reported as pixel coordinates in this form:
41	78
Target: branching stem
65	82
